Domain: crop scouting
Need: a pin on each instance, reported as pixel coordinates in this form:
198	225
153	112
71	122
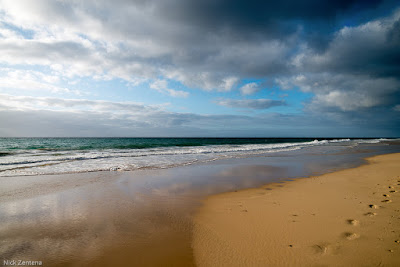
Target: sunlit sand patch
336	237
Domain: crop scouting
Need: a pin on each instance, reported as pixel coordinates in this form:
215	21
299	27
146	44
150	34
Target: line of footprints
387	199
324	247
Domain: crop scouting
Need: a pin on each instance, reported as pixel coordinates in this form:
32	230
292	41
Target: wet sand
94	219
346	218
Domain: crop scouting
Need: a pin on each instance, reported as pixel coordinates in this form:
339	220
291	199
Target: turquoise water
34	156
9	145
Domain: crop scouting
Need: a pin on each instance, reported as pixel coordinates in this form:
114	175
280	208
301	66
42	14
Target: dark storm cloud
372	48
271	17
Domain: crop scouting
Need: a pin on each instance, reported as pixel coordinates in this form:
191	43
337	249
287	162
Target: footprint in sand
386	201
370	214
351	236
374	206
393	191
353	222
386	195
322	248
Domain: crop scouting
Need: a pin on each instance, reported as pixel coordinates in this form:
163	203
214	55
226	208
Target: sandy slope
346	218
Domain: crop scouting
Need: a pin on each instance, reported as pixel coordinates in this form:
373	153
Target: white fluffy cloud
162	86
28	81
202	80
249	88
345	92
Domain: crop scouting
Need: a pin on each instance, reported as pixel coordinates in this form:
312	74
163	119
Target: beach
199	133
346	218
150	216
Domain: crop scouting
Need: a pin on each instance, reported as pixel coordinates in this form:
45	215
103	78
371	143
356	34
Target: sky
212	68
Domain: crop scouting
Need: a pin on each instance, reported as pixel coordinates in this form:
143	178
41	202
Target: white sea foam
371	141
339	140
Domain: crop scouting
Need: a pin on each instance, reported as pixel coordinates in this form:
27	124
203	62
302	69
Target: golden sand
346	218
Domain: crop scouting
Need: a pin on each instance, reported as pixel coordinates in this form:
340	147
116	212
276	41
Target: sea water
37	156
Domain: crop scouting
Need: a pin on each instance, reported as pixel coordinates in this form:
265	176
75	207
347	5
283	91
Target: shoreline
143	217
345	218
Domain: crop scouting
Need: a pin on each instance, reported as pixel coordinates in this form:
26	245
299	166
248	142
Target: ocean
38	156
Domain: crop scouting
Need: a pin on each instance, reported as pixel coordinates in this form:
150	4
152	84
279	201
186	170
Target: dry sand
346	218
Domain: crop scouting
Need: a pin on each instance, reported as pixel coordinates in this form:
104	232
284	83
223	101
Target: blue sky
190	68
